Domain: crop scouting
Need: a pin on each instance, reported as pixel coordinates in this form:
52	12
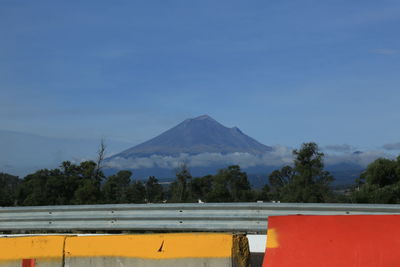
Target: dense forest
305	180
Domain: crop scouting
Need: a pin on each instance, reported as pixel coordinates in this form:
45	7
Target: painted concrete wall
331	241
150	250
257	244
47	251
201	249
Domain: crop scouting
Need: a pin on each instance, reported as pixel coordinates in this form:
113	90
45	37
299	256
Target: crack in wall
161	247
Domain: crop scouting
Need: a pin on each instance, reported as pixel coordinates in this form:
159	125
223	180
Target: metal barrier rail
221	217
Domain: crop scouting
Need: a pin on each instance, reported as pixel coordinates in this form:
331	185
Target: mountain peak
200	120
197	135
203	117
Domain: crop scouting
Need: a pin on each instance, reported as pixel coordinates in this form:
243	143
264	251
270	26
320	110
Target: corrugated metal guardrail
223	217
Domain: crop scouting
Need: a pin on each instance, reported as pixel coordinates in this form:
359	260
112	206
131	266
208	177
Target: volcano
194	136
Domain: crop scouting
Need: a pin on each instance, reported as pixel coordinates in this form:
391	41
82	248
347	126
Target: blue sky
284	72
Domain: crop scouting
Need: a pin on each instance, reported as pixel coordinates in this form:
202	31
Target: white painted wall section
257	243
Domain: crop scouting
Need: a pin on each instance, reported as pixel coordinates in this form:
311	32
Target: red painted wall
28	263
333	241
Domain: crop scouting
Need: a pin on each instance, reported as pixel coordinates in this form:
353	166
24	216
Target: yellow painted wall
151	246
146	246
38	247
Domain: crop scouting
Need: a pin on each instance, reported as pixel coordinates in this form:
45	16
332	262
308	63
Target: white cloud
392	146
362	158
338	148
280	156
386	51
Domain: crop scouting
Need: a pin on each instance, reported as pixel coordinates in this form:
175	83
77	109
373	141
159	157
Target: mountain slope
194	136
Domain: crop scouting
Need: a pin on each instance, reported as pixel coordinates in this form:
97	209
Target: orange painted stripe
272	235
332	241
151	246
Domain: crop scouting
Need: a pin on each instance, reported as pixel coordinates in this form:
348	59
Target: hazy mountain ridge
23	153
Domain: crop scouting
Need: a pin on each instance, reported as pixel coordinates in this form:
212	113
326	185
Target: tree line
83	184
305	180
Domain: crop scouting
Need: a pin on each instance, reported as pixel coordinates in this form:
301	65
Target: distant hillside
22	153
194	136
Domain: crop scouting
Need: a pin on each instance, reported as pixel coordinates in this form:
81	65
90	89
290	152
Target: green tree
69	184
50	187
154	191
219	189
265	193
116	186
278	180
90	179
379	183
89	182
71	176
231	184
136	192
201	187
180	188
44	187
307	181
9	185
381	172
